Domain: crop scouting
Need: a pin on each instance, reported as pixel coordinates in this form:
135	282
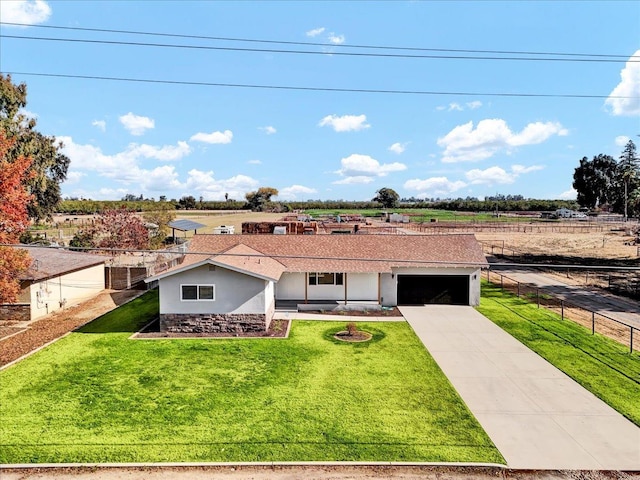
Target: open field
98	396
601	365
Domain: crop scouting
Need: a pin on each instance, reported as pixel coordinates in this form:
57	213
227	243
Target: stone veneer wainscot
214	322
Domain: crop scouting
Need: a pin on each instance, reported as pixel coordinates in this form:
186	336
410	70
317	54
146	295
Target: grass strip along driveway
601	365
97	396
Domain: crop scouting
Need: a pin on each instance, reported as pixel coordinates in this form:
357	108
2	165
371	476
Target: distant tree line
469	204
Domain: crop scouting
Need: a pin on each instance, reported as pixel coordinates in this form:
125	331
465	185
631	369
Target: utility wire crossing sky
326	100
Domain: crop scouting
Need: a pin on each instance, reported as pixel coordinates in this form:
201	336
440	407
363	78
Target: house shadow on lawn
129	317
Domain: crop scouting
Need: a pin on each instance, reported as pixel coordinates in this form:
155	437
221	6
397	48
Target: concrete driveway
536	415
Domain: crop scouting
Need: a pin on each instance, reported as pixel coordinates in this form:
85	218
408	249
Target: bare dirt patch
605	245
318	472
52	327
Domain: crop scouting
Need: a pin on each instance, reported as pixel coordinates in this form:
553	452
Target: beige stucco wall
65	291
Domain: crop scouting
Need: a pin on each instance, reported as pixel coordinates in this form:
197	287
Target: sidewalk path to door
537	416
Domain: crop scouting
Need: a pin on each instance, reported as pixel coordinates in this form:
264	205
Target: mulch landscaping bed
6	331
277	329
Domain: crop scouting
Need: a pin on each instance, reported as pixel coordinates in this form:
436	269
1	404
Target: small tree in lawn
14	219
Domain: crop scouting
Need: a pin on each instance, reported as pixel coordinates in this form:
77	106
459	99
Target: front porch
327	305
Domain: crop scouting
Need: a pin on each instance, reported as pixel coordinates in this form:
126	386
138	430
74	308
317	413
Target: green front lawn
601	365
96	396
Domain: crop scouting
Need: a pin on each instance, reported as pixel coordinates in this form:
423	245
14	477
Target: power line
333	45
314	89
310	52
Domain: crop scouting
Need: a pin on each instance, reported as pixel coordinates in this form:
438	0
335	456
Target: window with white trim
194	293
317	278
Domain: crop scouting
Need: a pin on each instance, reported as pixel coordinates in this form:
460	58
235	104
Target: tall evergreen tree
629	173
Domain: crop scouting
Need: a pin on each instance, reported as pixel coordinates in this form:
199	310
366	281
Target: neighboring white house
232	282
56	279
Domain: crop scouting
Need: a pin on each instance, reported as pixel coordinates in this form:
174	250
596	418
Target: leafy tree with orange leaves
14	220
118	228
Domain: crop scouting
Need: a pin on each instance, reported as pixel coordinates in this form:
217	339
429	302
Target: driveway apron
537	416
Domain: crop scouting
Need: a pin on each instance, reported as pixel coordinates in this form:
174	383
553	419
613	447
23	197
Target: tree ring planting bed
359	336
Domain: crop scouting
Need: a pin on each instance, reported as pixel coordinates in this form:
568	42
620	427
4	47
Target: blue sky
203	140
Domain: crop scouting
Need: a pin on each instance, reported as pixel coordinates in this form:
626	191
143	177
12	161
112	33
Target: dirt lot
308	472
51	327
608	244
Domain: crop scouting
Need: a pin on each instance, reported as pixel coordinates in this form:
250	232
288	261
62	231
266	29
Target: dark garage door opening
440	289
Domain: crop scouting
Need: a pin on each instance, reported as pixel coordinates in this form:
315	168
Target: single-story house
56	279
232	282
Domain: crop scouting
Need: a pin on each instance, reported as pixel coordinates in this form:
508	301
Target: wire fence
595	321
471	226
625	283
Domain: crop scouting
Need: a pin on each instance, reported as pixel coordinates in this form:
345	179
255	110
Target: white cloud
336	39
30	12
398	148
359	179
213	137
357	168
27	113
622	140
315	32
206	185
269	130
123	167
628	87
100	124
434	186
165	153
74	177
292	192
497	175
455	106
135	124
466	144
570	194
255	162
346	123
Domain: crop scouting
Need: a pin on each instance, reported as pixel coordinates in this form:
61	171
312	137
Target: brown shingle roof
53	262
246	259
348	253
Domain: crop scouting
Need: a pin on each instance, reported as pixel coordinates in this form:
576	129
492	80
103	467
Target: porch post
379	288
306	285
345	288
